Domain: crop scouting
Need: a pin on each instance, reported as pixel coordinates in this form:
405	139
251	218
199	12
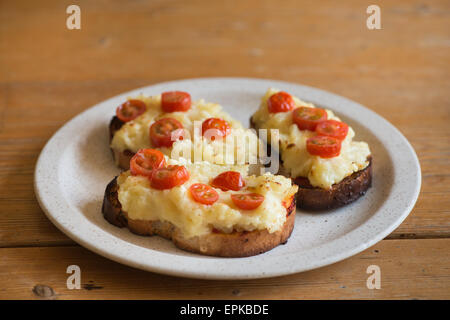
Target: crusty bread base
236	244
340	194
121	158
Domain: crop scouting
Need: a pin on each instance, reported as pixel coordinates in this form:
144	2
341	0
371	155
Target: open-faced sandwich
210	209
170	122
316	150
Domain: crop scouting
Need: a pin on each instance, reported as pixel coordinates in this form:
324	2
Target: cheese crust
141	202
240	147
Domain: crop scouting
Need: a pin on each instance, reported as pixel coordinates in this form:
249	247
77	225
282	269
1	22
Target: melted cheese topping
176	205
297	162
240	147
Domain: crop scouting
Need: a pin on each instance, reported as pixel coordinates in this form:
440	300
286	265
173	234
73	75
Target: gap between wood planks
410	270
71	243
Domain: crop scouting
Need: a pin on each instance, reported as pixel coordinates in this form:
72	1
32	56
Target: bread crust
122	158
345	192
235	244
340	194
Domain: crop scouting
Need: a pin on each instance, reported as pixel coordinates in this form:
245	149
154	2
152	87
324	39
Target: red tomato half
323	146
173	101
130	110
169	177
215	127
280	102
203	193
332	128
247	201
161	132
145	160
308	118
229	180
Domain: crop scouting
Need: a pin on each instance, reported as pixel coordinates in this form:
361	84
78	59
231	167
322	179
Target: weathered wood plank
178	39
409	270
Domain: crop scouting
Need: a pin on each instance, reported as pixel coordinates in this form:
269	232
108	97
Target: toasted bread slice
340	194
235	244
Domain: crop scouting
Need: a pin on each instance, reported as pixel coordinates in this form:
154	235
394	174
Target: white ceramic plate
76	164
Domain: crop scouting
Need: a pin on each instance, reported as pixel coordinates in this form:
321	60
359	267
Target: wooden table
48	74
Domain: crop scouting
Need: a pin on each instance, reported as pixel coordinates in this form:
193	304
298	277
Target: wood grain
49	74
409	270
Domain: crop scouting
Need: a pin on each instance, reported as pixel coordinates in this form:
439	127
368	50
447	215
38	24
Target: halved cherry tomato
161	132
308	118
173	101
332	128
323	146
130	110
169	177
215	127
247	201
280	102
203	193
228	180
145	160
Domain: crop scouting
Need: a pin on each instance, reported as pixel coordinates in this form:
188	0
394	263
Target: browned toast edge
123	158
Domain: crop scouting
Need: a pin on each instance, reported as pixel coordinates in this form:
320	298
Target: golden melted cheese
134	135
176	205
297	162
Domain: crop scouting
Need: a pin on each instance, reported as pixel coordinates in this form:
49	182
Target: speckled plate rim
89	235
